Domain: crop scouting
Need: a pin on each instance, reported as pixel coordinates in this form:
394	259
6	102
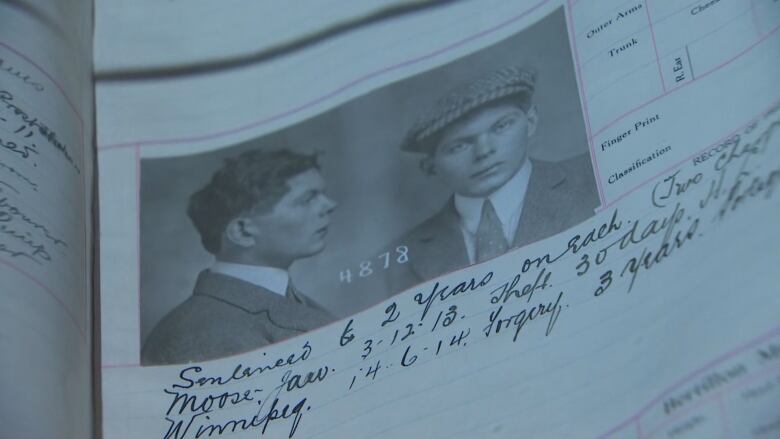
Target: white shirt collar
507	201
271	278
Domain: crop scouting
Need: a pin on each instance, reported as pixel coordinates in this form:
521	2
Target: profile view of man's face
480	153
297	225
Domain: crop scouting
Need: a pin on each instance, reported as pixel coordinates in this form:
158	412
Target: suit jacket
227	316
559	195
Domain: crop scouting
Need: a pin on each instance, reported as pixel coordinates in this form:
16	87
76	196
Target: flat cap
500	84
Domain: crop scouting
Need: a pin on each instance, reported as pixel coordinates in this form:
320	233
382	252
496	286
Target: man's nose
483	146
328	205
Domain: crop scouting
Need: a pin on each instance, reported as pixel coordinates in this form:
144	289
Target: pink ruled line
718	398
48	291
680	162
726	356
450	47
655	46
45	73
436	53
330	95
673	49
137	146
56	84
137	161
691	156
584	100
656	21
686	84
81	132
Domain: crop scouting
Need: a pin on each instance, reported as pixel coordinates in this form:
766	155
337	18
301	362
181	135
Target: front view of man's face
296	227
480	153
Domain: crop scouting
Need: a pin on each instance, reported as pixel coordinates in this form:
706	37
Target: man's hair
254	180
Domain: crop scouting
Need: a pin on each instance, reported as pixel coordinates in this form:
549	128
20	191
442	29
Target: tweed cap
500	84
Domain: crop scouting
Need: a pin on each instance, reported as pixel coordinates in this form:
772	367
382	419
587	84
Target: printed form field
652	73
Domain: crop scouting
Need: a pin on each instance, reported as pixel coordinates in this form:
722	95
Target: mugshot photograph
433	170
475	140
260	213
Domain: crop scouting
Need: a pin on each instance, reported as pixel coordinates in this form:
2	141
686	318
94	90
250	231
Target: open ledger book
390	219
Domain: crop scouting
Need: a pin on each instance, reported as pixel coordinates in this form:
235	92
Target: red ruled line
48	291
584	99
691	376
327	96
655	46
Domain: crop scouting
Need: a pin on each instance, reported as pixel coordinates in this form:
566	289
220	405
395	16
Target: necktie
491	241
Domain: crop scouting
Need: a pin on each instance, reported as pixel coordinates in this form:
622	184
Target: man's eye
503	124
456	147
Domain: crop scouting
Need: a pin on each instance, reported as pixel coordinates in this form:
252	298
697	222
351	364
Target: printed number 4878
366	268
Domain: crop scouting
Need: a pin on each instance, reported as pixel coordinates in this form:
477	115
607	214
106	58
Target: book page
128	43
498	219
46	154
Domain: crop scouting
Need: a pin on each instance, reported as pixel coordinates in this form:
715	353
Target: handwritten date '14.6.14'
534	299
616	254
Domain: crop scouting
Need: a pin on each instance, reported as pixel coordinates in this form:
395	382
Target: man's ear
532	120
240	232
427	166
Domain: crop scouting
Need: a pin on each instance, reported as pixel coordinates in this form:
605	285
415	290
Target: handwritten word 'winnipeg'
205	405
205	427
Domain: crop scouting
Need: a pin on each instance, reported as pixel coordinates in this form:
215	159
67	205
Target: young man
259	213
476	140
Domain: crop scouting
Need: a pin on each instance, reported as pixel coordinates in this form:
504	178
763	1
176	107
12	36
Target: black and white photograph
253	243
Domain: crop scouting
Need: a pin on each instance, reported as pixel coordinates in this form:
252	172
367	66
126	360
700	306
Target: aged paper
46	154
490	219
